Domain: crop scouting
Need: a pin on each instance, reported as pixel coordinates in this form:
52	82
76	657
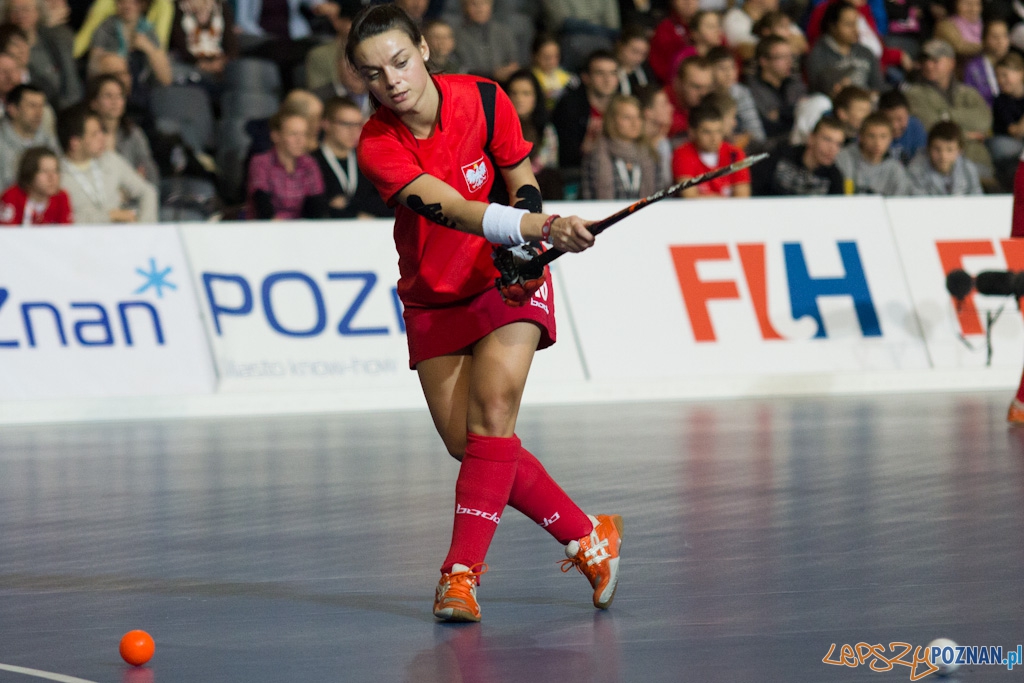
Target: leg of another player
1016	412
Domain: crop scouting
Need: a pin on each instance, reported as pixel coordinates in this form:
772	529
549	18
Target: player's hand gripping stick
521	269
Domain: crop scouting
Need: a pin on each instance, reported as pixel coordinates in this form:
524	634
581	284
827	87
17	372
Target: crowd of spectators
143	110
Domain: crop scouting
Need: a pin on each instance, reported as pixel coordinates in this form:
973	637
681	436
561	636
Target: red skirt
443	330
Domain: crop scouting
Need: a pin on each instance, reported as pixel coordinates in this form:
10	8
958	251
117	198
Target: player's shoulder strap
488	96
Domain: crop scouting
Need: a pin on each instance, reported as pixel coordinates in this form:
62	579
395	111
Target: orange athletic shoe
1016	412
455	599
597	557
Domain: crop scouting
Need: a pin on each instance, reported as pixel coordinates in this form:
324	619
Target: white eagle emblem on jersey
475	174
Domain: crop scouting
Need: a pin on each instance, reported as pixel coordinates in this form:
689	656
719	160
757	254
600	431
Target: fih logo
475	174
91	324
804	289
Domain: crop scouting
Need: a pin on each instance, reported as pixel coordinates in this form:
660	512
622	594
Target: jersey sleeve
386	162
508	146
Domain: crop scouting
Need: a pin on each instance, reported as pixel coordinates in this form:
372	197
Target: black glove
520	276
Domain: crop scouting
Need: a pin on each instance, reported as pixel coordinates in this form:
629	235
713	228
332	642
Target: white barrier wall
98	312
684	299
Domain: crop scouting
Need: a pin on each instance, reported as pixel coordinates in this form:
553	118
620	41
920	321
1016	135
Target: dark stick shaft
605	223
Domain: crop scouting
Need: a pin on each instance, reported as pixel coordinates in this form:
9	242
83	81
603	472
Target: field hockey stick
520	278
605	223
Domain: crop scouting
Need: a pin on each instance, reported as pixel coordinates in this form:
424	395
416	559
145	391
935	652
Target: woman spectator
671	36
528	100
980	72
130	35
106	97
36	198
963	30
203	41
705	33
547	69
622	164
51	64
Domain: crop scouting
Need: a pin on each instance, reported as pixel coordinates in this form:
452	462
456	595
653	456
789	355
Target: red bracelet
545	231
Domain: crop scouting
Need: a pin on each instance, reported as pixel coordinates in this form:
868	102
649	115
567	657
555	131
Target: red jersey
686	163
14	200
440	265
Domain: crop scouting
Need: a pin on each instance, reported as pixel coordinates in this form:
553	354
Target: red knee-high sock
1017	222
539	497
481	493
1020	390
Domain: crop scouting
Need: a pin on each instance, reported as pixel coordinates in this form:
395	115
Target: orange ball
137	647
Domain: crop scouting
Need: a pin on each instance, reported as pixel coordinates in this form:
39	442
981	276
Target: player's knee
495	415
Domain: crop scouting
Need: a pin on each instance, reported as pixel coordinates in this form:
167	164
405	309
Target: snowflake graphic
155	278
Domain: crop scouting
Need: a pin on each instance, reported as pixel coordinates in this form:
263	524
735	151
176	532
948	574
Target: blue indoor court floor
758	533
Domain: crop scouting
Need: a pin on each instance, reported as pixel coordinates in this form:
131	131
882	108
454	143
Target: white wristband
501	224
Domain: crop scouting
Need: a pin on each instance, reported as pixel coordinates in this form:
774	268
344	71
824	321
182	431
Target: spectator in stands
159	14
347	192
866	165
778	23
725	74
869	35
657	111
1007	141
10	75
705	33
484	46
909	135
839	46
285	182
693	81
670	38
22	128
807	169
546	63
577	116
103	187
724	103
130	35
851	106
707	150
203	41
622	164
775	88
909	22
980	72
941	170
440	37
962	29
528	100
582	26
940	97
738	27
107	98
51	62
631	50
347	83
814	105
36	197
14	43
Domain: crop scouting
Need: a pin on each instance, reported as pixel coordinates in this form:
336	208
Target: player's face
899	119
523	96
875	141
943	155
825	145
394	70
709	136
628	123
46	181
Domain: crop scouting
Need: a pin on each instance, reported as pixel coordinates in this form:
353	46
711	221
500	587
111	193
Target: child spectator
552	77
103	187
284	182
347	192
941	170
1006	144
622	164
725	73
440	39
631	51
806	169
866	165
909	135
36	197
980	72
813	106
707	150
725	104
